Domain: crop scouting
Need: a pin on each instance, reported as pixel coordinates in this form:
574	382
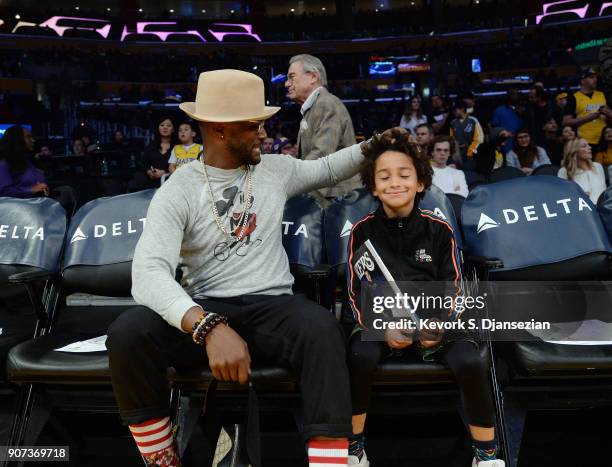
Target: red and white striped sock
155	442
327	453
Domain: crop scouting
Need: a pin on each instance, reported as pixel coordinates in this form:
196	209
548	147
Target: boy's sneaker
354	461
475	463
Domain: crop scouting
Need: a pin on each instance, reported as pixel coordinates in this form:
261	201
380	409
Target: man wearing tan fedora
219	220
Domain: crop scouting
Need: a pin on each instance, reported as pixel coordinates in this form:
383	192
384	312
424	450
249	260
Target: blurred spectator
424	137
45	152
267	145
439	116
78	147
187	151
578	166
466	131
567	134
559	107
586	109
506	116
604	148
88	145
552	142
326	125
539	113
119	142
470	102
526	154
287	148
155	157
413	116
490	154
18	176
448	179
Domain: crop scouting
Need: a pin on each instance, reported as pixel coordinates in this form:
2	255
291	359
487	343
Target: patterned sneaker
493	463
354	461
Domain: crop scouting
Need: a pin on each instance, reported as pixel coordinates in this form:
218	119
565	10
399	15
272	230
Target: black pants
288	330
462	358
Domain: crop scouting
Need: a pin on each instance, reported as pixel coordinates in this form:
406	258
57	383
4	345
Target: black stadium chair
506	173
457	202
97	260
303	241
473	178
536	229
546	169
31	239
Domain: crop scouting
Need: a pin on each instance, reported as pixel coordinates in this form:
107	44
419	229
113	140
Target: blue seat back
532	221
338	220
302	231
32	233
436	201
101	241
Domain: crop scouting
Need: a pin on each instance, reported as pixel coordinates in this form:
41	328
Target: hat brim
190	109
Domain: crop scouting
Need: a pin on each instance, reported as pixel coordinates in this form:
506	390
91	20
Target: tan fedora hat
229	96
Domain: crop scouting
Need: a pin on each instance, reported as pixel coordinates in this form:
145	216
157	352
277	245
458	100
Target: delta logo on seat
116	229
530	214
18	232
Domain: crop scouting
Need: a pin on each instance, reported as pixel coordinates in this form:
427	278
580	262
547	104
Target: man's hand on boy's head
393	133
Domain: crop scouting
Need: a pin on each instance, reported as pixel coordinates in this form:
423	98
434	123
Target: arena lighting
551	9
163	35
171	11
58	24
76	8
139	10
17	16
248	31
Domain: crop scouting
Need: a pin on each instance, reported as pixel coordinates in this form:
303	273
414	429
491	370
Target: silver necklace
243	217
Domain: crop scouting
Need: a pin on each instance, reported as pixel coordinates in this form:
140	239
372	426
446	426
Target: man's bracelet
203	327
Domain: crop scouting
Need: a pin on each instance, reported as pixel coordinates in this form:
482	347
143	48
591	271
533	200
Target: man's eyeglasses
260	124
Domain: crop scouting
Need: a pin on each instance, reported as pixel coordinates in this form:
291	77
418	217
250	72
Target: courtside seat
409	369
302	230
31	238
546	233
544	360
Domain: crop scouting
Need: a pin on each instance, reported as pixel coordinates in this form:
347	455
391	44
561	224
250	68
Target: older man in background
326	125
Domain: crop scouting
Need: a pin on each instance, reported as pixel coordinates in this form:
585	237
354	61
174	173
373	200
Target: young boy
415	246
187	151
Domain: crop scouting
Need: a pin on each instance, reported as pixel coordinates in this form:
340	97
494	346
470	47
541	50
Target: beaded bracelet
203	327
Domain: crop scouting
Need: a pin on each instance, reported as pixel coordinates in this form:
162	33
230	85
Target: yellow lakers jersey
585	105
184	156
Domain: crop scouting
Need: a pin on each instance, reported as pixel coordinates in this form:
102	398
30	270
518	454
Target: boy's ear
420	187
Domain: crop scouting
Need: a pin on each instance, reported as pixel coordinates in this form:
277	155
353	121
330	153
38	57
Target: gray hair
311	64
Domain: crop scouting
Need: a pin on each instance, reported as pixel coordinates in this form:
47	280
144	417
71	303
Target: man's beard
244	152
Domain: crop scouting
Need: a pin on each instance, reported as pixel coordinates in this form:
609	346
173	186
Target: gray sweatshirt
181	231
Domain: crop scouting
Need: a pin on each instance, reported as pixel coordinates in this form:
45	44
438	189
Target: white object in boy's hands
353	461
493	463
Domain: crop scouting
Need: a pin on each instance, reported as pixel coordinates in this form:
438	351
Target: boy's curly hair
400	142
